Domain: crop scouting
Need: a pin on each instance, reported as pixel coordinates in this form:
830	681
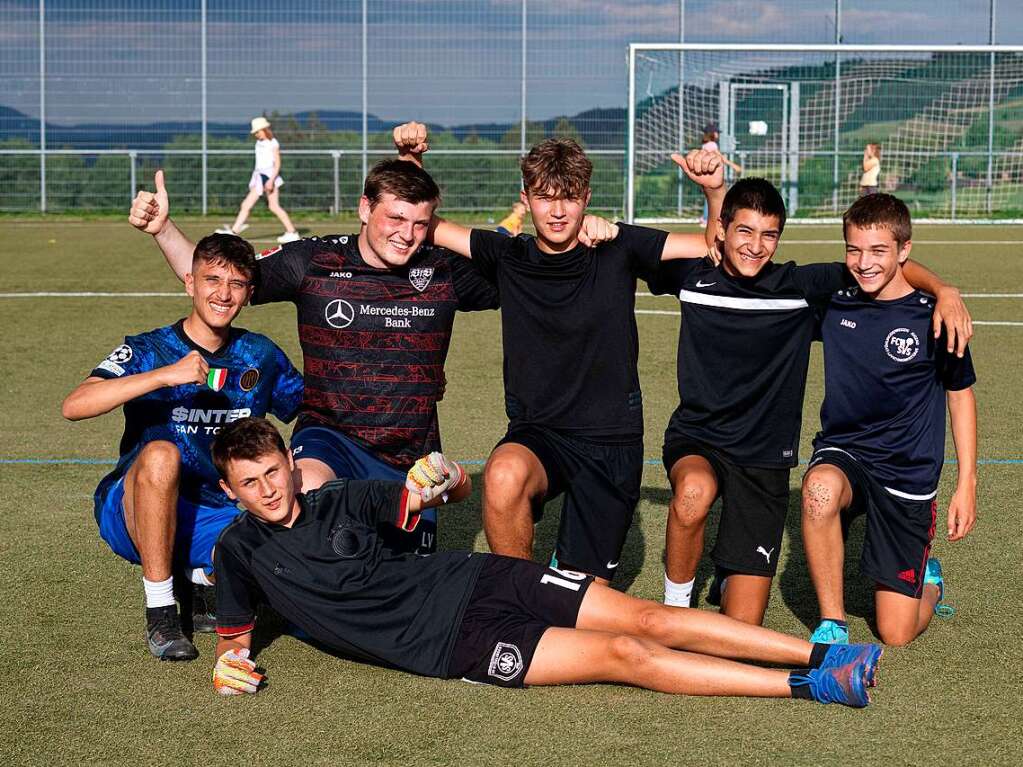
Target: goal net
948	121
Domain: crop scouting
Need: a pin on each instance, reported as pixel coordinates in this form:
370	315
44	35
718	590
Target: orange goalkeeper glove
434	475
235	674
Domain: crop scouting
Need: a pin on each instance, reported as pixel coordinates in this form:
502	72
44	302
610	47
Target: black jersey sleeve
238	594
818	281
280	271
644	246
668	277
487	249
475	292
956	373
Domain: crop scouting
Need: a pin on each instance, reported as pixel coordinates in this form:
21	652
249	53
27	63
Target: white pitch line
975	322
915	242
965	296
90	294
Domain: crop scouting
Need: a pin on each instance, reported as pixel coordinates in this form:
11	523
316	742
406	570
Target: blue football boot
835	684
867	654
829	632
933	575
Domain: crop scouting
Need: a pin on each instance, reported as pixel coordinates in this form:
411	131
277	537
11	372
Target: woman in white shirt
871	169
266	177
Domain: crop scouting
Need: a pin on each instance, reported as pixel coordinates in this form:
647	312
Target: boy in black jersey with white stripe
882	439
319	561
743	352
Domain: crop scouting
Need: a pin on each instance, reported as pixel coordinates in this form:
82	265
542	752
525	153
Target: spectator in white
266	177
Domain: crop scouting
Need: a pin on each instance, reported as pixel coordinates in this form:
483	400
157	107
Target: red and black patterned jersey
373	340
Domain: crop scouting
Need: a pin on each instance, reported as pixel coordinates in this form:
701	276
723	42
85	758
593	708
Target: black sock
817	654
798	684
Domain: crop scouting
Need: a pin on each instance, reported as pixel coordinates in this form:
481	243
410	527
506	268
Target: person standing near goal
266	178
871	169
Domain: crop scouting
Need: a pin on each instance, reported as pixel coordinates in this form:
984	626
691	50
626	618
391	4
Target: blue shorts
350	460
198	528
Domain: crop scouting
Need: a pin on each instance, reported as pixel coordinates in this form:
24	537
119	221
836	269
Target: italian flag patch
217	378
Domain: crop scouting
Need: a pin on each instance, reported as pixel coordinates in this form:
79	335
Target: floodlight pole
630	159
365	89
42	106
680	177
838	105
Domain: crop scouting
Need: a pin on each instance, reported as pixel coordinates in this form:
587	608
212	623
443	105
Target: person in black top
318	561
882	440
572	391
375	313
743	353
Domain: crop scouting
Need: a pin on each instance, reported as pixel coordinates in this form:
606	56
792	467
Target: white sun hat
258	124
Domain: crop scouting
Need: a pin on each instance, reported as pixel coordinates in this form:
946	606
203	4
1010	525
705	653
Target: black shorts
513	603
601	485
754	503
899	530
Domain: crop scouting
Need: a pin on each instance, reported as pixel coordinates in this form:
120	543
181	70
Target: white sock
199	577
677	594
159	593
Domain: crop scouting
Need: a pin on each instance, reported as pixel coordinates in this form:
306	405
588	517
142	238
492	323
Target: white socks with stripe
677	594
159	593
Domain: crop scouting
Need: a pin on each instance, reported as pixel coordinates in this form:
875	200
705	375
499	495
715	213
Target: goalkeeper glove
235	674
434	475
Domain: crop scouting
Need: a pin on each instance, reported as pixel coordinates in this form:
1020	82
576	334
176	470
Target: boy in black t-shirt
882	439
319	561
572	392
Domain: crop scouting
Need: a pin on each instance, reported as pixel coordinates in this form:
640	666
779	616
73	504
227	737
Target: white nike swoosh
704	284
612	565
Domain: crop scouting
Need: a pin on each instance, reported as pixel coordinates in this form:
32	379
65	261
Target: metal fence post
42	106
955	181
132	157
365	88
205	168
522	120
337	182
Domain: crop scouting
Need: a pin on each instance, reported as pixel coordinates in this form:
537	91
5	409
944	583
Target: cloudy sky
447	61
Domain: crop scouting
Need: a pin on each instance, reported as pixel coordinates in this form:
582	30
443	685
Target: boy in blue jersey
882	440
162	506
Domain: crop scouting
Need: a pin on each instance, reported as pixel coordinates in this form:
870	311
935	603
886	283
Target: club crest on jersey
216	379
121	354
420	277
506	662
902	344
249	379
269	252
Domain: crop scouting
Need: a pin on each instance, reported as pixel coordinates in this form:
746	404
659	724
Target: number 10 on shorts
567	579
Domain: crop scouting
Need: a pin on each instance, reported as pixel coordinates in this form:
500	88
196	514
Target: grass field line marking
640	294
90	294
975	322
469	462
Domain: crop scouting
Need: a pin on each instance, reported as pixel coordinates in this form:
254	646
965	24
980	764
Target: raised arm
949	309
96	396
150	213
412	142
962	508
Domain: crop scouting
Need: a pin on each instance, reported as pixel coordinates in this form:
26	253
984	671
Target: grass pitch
79	686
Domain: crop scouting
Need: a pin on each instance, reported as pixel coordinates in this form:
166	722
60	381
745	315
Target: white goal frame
682	48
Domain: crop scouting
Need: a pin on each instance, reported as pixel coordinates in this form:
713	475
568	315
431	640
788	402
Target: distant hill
601	128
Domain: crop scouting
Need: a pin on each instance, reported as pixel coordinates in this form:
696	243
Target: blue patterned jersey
249	375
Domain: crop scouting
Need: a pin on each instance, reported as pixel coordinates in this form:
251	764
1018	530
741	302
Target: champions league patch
506	662
216	379
121	354
420	277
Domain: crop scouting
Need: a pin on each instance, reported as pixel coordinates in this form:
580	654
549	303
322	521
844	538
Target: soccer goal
948	121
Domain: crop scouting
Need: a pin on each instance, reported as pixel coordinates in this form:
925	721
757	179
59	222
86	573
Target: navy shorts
899	529
350	460
754	504
513	603
601	484
195	533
